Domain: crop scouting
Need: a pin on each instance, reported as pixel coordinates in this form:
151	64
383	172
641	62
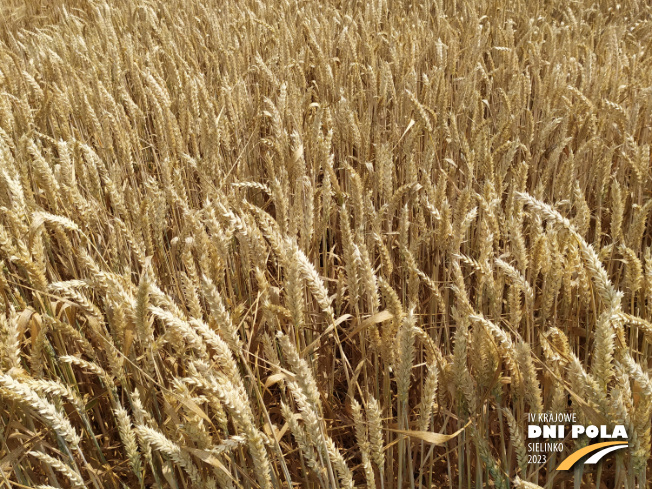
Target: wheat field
336	244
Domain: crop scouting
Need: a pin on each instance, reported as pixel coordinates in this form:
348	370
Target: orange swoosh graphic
574	457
